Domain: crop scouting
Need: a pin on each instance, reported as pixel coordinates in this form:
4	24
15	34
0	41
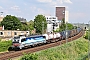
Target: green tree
63	25
69	26
11	23
40	23
30	25
24	27
63	21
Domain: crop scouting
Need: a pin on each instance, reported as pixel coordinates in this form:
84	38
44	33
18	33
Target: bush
29	57
86	35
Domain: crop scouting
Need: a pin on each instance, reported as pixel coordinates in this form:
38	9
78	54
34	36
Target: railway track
12	54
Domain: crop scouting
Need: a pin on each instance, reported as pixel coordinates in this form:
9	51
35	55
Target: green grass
4	45
74	50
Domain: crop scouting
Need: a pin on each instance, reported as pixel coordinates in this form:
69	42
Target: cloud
59	1
37	10
25	4
44	0
67	1
33	9
55	2
16	8
43	12
78	15
1	7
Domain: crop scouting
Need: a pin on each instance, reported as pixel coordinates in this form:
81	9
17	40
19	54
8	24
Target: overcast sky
79	10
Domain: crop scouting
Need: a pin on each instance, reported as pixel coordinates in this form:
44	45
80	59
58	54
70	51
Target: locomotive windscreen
16	39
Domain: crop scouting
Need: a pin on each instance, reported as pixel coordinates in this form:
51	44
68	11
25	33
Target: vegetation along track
12	54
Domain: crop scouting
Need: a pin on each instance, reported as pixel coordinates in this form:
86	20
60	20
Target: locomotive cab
16	42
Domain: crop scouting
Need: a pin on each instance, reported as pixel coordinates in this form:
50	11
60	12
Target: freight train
23	41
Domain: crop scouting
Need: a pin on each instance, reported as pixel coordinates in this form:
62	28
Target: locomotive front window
16	39
22	40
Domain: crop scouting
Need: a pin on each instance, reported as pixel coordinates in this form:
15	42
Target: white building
66	16
50	21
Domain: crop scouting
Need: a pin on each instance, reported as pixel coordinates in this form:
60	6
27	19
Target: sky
79	10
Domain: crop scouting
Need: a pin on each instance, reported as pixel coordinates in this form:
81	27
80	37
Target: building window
50	18
27	32
22	33
15	33
9	33
54	18
63	12
1	33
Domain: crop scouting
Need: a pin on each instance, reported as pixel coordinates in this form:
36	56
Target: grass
74	50
4	45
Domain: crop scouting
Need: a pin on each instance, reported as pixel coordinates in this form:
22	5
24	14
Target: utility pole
83	28
53	26
66	33
88	40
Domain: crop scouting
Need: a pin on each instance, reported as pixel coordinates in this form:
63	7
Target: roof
22	20
1	28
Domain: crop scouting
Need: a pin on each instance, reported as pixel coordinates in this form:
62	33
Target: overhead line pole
88	40
66	32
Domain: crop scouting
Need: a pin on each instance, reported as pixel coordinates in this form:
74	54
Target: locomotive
23	41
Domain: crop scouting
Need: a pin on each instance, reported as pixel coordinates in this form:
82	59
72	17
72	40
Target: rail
8	55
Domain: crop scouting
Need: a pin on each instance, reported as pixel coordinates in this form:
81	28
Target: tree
63	21
11	23
24	27
30	25
69	26
63	26
40	23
